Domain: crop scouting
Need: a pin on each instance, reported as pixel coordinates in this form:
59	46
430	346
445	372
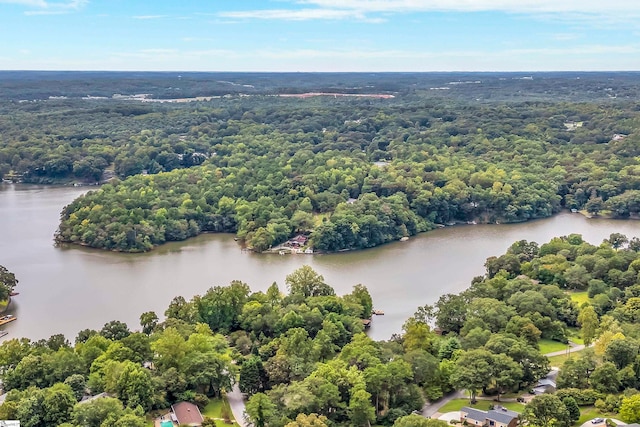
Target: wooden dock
6	319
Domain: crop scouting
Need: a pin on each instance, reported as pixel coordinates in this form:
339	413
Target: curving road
236	402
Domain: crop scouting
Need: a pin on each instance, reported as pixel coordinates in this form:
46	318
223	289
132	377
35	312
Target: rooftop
502	415
187	413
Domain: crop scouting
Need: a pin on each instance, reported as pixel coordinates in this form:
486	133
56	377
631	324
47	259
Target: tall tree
588	320
311	420
546	410
148	321
361	412
252	376
630	409
305	282
259	410
7	283
474	371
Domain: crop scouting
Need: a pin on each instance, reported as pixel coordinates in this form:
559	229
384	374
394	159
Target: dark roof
547	382
502	415
474	414
187	413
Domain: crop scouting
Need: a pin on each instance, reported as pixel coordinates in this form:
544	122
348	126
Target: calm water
66	290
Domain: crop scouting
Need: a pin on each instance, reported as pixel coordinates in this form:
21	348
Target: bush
585	397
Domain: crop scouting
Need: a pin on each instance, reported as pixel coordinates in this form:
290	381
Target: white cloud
563	37
144	17
48	7
293	14
523	6
592	12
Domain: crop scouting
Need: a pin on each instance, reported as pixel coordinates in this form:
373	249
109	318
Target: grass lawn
574	336
558	361
549	346
457	404
319	217
214	409
579	297
588	413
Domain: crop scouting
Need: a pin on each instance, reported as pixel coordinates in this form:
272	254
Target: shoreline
276	250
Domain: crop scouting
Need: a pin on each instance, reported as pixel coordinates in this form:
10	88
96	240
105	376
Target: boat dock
6	319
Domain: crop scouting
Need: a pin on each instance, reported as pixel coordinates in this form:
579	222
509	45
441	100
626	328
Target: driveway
618	422
236	402
450	416
431	408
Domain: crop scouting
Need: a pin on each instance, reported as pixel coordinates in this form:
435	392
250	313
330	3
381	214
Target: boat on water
6	319
378	312
3	333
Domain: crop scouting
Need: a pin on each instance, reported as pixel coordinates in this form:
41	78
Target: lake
64	290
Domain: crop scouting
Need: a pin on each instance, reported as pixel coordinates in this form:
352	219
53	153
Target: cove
64	290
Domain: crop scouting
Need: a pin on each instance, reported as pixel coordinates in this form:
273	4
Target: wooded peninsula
392	156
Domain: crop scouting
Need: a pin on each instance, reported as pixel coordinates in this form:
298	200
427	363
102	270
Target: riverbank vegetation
304	355
374	170
8	283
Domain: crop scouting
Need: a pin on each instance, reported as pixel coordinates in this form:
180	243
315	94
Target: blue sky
320	35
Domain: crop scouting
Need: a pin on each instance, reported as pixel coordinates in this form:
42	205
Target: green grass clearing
457	404
579	297
214	410
558	361
319	217
549	346
588	413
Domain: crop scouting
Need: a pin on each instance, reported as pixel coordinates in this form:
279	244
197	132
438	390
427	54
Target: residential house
185	413
474	417
298	241
498	417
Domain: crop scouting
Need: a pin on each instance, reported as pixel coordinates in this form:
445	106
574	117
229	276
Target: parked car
597	421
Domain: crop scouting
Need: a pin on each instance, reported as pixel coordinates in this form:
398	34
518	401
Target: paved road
572	348
431	408
236	402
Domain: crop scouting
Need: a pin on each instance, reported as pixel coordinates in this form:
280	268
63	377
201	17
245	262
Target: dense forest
349	172
302	357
